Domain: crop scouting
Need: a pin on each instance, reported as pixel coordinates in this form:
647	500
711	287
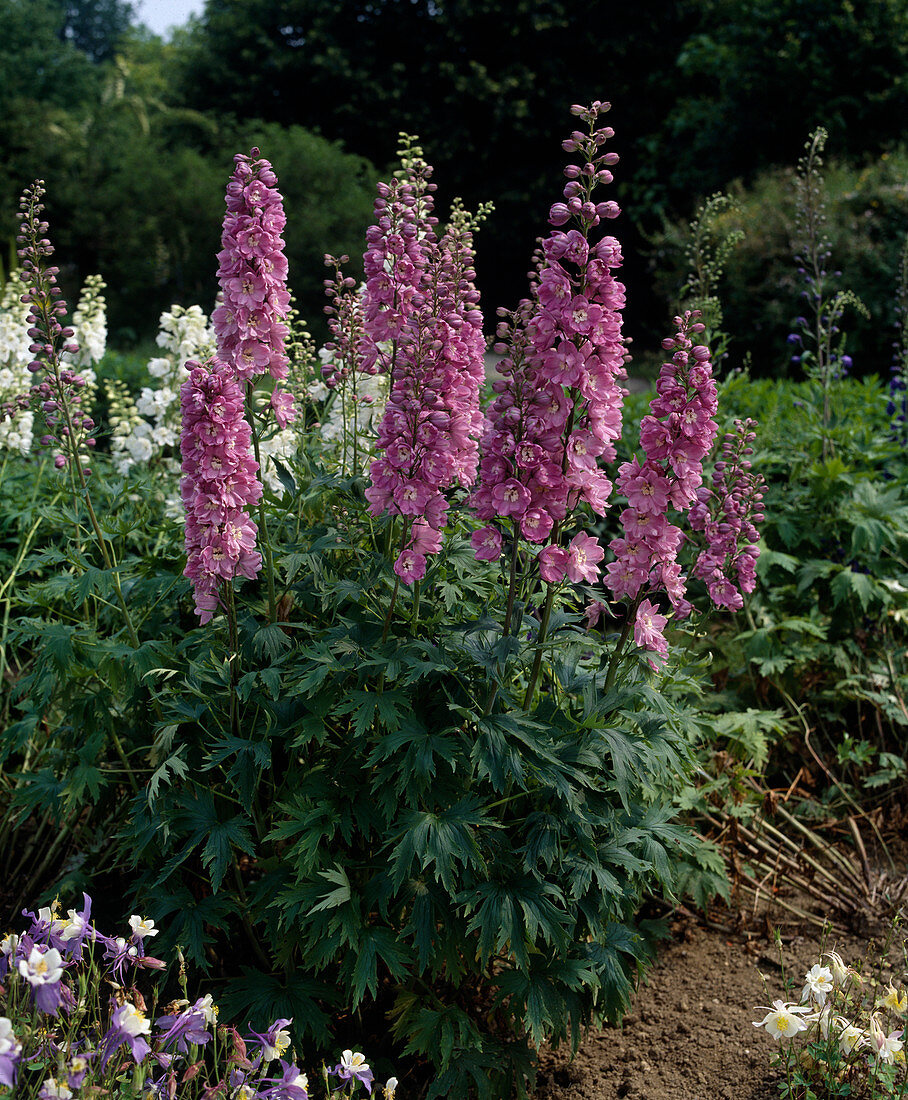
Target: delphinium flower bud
60	387
675	437
219	483
428	438
728	515
558	411
250	321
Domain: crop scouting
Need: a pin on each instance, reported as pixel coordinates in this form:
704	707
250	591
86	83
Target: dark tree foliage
37	64
96	27
757	75
703	91
485	85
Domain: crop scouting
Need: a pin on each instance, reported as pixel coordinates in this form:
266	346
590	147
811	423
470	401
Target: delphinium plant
845	1034
819	340
81	1014
897	406
709	245
389	772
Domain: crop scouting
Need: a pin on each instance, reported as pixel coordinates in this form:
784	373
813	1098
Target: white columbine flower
207	1006
817	983
8	1043
839	970
74	927
783	1020
277	1048
8	944
42	967
54	1090
301	1081
886	1046
390	1088
143	927
131	1021
851	1038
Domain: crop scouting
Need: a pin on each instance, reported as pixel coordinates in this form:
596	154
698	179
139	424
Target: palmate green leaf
374	946
189	919
218	851
174	765
861	585
423	751
515	917
270	641
340	895
440	840
261	999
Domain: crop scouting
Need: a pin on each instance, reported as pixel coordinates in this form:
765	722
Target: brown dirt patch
690	1035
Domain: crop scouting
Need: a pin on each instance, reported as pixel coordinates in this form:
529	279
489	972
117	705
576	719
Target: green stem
233	644
263	523
537	662
618	653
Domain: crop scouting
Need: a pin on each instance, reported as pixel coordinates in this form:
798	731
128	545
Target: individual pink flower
486	543
553	564
583	557
648	627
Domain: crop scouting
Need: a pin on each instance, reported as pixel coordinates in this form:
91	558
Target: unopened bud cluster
60	388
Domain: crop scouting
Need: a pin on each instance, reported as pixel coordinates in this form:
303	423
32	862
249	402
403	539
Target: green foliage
340	814
825	642
866	224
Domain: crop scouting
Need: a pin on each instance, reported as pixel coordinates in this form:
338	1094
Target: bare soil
690	1035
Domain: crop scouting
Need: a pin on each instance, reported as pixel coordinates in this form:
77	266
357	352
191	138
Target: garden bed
690	1034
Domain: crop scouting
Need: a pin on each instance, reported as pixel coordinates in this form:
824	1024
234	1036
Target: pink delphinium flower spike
557	413
728	515
675	436
250	322
428	437
220	482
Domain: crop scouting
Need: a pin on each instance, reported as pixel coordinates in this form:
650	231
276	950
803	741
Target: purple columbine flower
354	1067
43	970
128	1026
275	1041
186	1027
10	1053
291	1085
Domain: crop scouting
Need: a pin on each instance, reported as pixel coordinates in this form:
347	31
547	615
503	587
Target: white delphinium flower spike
783	1020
